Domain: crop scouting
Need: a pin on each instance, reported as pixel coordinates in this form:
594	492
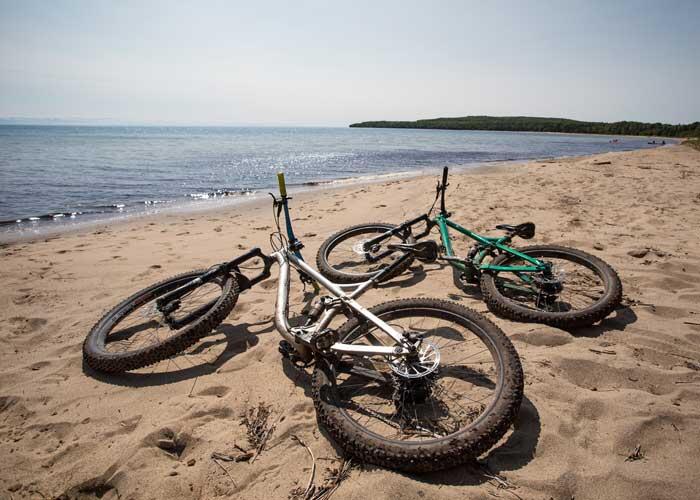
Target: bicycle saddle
526	230
425	251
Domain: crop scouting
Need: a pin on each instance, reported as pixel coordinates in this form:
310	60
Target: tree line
536	124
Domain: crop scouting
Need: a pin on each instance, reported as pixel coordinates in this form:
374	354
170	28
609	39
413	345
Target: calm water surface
60	175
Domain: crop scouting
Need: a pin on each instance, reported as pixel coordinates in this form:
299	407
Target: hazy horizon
319	64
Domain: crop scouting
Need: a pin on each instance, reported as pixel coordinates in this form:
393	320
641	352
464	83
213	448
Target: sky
332	63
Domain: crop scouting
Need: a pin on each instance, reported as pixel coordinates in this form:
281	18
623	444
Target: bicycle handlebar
443	188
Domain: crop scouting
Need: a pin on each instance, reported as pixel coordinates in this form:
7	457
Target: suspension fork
402	228
169	302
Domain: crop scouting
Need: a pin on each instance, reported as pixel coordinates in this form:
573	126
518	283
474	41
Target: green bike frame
443	223
486	244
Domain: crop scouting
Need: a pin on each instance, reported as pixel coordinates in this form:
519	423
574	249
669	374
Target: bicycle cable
278	241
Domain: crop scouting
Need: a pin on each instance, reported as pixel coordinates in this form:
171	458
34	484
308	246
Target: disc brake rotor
358	248
418	365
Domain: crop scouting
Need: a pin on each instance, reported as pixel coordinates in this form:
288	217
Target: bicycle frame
444	223
487	243
302	338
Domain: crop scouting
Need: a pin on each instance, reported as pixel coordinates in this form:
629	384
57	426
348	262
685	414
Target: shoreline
192	207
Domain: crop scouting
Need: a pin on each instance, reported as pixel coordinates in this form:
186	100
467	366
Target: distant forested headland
535	124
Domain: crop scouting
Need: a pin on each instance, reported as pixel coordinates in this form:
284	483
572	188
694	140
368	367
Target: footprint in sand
126	426
550	338
218	390
169	440
22	325
596	376
218	412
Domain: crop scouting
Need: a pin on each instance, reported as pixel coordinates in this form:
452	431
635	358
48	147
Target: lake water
60	176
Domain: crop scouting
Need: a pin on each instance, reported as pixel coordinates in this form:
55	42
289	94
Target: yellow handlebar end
283	186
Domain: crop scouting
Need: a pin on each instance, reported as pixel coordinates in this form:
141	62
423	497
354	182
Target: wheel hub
550	282
358	248
423	361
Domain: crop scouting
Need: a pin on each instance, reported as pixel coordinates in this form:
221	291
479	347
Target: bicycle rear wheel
580	290
135	333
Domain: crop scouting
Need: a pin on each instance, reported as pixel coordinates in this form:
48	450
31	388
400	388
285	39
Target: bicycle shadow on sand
193	363
418	272
617	321
512	453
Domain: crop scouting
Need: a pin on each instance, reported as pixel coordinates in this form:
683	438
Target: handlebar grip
282	185
444	176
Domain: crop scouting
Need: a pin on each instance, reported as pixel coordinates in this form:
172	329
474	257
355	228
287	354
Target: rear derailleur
548	287
411	391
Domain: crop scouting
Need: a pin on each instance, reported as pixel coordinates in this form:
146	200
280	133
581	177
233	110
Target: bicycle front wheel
135	333
445	406
342	258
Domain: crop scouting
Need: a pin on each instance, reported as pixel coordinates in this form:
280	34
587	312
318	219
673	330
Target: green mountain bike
550	284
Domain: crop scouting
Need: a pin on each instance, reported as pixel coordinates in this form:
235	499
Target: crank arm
398	229
370	258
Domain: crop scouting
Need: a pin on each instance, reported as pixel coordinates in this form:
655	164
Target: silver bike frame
297	336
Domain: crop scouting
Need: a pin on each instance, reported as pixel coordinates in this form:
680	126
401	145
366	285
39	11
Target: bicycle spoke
146	325
451	398
581	287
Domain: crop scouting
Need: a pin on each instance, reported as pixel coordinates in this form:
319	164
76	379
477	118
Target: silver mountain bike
414	384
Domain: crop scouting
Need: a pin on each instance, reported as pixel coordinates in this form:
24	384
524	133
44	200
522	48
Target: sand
592	397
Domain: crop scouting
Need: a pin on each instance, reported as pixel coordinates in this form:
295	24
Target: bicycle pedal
471	279
286	349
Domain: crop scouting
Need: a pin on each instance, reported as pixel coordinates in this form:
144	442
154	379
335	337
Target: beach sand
591	398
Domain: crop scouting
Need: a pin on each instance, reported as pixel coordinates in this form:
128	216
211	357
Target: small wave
113	206
56	216
221	193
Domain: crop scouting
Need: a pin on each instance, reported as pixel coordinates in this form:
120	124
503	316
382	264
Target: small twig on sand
243	457
193	384
260	447
691	323
502	484
603	351
258	429
226	471
332	482
313	465
637	454
221	456
678	431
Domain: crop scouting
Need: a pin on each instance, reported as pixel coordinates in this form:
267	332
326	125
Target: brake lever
276	203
